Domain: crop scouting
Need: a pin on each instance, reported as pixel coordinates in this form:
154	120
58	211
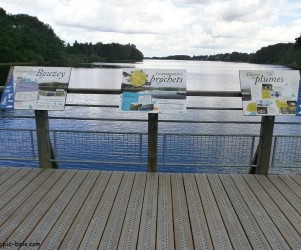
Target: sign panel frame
269	92
153	90
36	88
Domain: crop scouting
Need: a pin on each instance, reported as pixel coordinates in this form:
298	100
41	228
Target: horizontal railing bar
190	134
123	120
117	106
118	92
94	91
188	92
288	123
18	129
96	119
202	164
18	159
140	120
231	122
212	108
91	105
298	136
97	132
135	133
145	120
282	167
213	93
101	162
17	117
169	121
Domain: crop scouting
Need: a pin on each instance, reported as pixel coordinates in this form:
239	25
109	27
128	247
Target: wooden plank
294	186
182	230
28	176
262	217
199	226
253	231
18	216
79	226
63	223
114	225
2	173
147	233
19	228
3	169
238	236
9	183
281	222
217	229
287	209
66	209
297	178
7	173
40	231
98	222
130	230
24	196
165	232
289	195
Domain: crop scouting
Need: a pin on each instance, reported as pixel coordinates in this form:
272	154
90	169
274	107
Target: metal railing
51	147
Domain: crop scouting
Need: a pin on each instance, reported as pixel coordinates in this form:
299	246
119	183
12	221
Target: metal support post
265	144
45	150
152	142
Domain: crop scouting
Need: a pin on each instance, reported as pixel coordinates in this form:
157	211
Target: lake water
211	76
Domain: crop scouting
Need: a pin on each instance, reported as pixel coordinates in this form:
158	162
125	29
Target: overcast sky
169	27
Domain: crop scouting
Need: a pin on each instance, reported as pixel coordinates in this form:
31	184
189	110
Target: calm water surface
211	76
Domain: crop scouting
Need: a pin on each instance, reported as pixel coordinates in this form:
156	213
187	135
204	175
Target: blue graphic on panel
131	101
7	100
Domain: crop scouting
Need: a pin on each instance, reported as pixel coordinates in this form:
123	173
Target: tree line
24	38
281	53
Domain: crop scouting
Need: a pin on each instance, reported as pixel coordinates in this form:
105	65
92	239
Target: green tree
25	39
298	41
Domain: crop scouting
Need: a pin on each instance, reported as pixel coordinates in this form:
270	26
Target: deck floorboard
89	209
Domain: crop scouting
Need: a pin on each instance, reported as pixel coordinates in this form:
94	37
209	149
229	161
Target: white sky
169	27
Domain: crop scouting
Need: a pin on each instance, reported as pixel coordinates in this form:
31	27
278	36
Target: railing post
254	161
43	139
265	144
152	142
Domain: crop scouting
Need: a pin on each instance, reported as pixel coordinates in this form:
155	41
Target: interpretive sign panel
37	88
153	90
269	92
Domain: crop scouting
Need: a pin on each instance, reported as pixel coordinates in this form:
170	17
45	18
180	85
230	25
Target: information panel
153	90
269	92
37	88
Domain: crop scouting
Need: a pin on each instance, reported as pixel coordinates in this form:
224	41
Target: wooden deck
75	209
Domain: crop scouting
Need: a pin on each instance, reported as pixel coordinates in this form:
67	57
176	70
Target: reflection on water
213	76
200	75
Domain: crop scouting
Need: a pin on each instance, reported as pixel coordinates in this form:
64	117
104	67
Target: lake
201	75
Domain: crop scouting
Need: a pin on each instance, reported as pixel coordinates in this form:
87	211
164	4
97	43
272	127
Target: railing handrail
208	93
188	92
145	120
